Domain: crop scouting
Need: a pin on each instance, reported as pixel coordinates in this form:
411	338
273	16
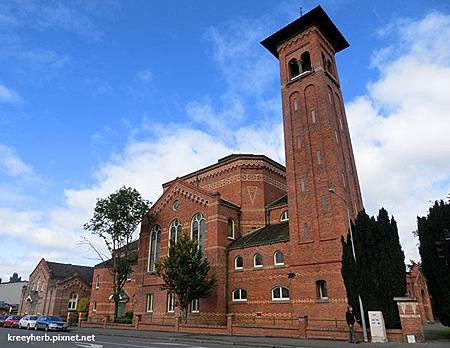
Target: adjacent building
55	288
416	286
10	294
101	303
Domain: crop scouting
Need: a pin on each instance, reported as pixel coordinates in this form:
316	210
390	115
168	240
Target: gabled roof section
132	248
197	194
316	17
61	271
283	200
228	160
269	234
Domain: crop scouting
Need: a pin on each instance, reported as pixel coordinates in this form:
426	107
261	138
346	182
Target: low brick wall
264	327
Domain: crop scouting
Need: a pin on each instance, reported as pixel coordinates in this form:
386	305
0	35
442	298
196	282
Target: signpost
377	327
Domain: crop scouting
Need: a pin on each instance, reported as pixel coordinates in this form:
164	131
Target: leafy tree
185	272
379	273
115	219
436	263
83	305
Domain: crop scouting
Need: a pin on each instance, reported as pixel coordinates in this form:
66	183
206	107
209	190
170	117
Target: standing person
351	320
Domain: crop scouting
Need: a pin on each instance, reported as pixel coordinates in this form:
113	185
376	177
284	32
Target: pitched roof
317	17
283	200
269	234
61	271
228	159
130	247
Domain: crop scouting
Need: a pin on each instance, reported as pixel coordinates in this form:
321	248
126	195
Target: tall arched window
306	61
238	262
97	281
278	258
198	229
73	299
230	227
294	69
257	260
154	248
322	292
174	231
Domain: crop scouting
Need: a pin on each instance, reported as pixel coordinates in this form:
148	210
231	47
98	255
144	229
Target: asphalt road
98	341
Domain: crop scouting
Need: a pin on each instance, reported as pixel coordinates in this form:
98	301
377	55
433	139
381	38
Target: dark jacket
349	316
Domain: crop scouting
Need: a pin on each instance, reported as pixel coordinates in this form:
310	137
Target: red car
12	321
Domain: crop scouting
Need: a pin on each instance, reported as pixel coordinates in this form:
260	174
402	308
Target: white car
28	322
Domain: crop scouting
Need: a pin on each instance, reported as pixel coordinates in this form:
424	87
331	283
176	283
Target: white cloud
11	163
400	128
8	96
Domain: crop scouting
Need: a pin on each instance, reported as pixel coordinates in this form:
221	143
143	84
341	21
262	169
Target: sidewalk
262	342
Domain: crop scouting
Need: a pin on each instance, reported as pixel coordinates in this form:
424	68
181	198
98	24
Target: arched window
284	216
280	294
238	262
73	299
230	227
198	229
294	69
239	295
278	258
257	260
154	248
174	231
306	62
97	281
322	292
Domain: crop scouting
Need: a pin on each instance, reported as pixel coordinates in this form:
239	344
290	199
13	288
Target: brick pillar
177	323
105	321
302	325
80	318
410	319
230	318
68	319
137	320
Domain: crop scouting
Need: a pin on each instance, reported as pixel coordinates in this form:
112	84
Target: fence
265	326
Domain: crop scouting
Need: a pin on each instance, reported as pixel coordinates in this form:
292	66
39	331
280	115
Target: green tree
115	219
185	272
436	263
83	305
379	273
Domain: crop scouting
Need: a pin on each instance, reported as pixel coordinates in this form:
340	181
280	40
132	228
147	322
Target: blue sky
94	93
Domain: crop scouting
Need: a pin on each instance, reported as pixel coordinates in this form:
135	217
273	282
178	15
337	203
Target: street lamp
361	307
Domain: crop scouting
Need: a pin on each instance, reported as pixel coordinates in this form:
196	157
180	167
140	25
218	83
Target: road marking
132	345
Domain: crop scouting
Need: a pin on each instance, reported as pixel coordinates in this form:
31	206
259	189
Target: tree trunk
116	308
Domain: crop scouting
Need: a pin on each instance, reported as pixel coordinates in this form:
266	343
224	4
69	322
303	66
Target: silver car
28	322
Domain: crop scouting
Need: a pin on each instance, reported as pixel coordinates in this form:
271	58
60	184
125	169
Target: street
113	338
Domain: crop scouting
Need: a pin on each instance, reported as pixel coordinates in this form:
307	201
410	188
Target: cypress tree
435	264
379	273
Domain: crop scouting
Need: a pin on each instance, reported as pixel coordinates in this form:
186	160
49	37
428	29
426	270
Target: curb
202	340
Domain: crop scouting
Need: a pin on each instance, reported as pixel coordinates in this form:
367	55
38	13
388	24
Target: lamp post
361	307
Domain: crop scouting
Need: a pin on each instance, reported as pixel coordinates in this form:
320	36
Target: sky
95	95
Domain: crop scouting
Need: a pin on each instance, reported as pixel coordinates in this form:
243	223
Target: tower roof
317	17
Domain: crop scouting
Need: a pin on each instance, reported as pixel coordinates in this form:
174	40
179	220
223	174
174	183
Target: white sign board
377	327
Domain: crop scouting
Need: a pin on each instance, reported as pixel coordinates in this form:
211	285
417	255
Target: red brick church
271	233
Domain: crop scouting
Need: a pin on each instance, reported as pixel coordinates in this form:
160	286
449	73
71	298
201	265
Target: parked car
12	321
2	319
28	322
50	323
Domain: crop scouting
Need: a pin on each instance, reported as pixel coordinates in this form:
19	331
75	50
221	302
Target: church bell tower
320	167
